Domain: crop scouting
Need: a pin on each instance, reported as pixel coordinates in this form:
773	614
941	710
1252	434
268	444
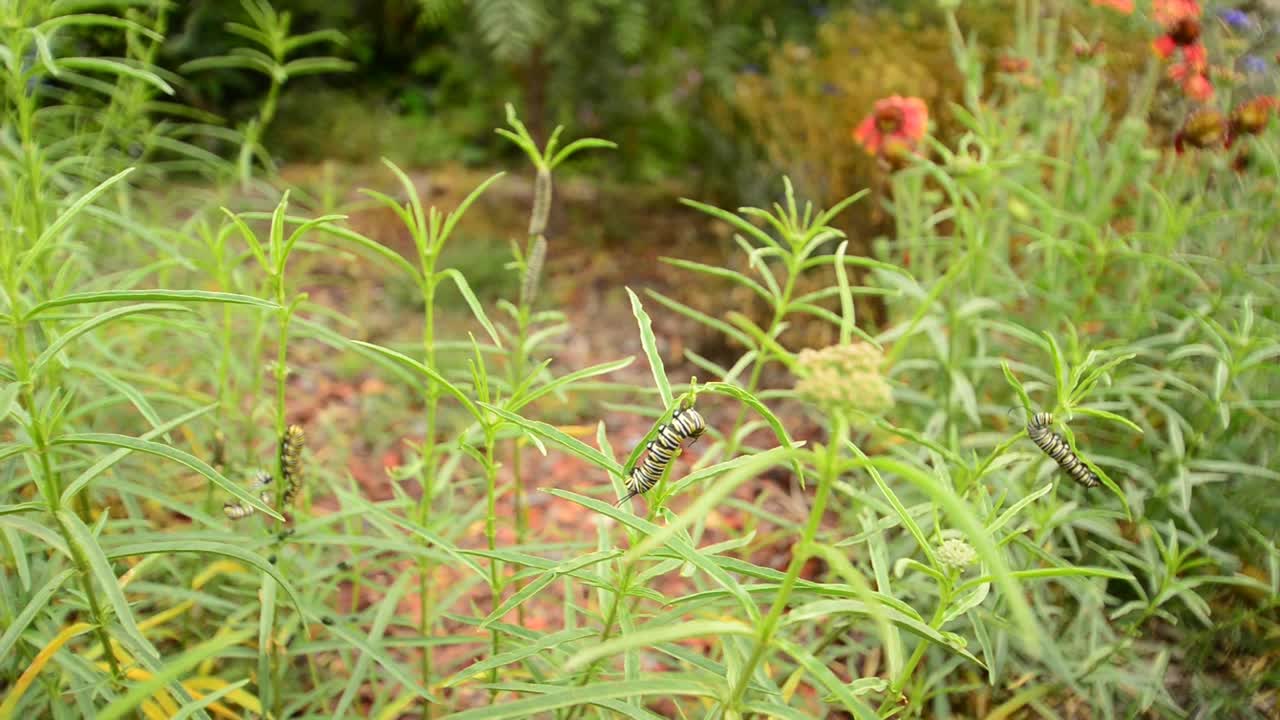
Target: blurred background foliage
720	94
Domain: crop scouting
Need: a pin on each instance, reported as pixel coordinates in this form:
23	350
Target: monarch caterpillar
1055	447
240	510
291	461
686	424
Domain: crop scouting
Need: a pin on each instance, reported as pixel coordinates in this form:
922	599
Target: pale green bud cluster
956	554
844	377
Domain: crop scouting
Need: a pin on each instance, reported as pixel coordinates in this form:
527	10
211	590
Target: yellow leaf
42	658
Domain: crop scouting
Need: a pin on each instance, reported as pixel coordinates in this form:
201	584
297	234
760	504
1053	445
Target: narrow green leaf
374	248
380	656
650	344
1051	573
116	67
566	380
580	144
720	272
386	611
1106	415
1017	388
8	395
560	439
1016	508
651	636
562	697
427	373
178	456
37	603
205	547
828	679
700	317
60	223
114	457
740	223
458	212
19	508
476	309
171	671
191	296
547	642
974	532
86	547
847	317
1059	366
675	544
826	608
89	325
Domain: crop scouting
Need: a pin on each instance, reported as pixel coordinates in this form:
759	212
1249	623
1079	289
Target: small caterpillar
1055	447
291	462
240	510
686	424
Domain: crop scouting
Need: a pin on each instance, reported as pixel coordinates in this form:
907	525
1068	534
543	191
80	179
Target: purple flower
751	69
1254	64
1237	19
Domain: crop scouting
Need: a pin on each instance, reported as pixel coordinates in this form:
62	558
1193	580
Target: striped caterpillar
1040	432
686	424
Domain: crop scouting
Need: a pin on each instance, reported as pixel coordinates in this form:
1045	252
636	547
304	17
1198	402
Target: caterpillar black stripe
291	462
239	510
686	424
1040	432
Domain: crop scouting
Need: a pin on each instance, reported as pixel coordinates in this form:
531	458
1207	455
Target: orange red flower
897	122
1170	12
1192	73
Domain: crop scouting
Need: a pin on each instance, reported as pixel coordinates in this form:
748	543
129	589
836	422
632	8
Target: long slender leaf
650	343
182	458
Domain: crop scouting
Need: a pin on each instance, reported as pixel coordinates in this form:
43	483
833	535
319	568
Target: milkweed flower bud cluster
848	377
956	554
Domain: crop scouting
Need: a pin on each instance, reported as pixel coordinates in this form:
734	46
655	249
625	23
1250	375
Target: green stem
491	538
52	491
606	632
800	553
895	689
732	443
428	472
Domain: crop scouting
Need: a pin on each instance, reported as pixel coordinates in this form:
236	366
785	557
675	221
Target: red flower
901	119
1183	34
1169	12
1120	6
1192	72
